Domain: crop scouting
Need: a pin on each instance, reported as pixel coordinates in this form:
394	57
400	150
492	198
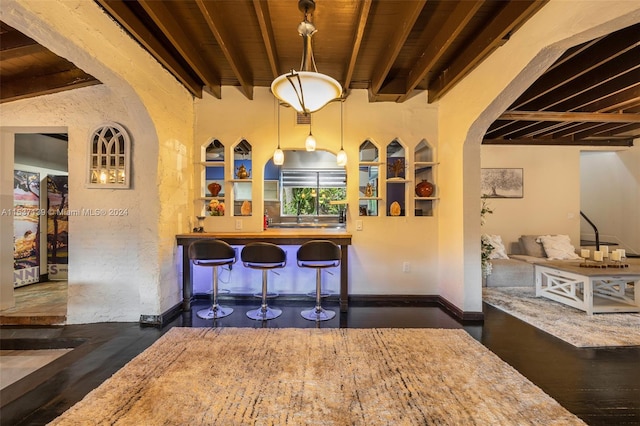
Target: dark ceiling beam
492	36
165	20
15	44
37	85
266	29
607	130
594	117
409	11
620	100
611	142
225	38
449	30
363	16
594	54
572	101
617	68
121	13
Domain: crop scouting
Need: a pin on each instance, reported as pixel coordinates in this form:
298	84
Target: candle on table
585	253
605	251
598	256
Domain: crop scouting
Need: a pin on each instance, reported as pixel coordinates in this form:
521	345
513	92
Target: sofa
516	269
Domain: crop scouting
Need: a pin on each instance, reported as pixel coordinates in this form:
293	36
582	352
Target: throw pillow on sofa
499	251
558	247
530	246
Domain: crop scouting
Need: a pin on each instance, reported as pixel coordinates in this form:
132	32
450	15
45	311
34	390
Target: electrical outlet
238	224
406	267
358	225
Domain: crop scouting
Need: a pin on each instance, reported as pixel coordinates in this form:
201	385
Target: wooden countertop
278	236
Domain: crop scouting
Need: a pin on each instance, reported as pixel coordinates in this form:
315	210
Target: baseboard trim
354	299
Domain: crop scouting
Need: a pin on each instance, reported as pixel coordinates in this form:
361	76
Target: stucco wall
120	267
471	106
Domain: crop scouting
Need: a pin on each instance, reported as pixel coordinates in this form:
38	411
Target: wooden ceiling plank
225	38
165	20
410	10
592	117
15	40
619	142
266	29
121	13
363	15
617	101
493	35
449	31
622	71
606	130
38	85
604	50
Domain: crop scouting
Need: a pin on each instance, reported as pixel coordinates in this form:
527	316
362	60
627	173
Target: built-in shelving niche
368	180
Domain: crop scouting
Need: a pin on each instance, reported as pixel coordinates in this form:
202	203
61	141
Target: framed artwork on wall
502	183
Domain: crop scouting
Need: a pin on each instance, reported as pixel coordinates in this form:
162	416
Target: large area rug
569	324
243	376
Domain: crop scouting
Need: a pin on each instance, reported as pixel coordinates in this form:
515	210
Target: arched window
109	157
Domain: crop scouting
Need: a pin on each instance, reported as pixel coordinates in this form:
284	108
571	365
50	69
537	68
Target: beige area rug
569	324
243	376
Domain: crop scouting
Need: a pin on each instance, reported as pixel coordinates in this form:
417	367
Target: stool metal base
317	314
214	312
323	294
262	314
270	295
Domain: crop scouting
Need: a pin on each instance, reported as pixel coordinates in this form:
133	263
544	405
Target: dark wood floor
601	386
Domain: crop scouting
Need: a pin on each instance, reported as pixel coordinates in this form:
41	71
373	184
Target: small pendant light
310	142
278	155
341	158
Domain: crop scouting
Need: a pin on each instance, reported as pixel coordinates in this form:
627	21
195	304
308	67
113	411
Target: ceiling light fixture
341	157
306	90
310	142
278	155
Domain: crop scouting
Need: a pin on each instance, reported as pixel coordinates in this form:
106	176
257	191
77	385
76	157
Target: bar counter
295	236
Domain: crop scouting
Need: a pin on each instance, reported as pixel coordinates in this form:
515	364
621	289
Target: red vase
214	188
424	189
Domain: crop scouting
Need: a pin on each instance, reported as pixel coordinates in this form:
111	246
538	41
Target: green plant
485	246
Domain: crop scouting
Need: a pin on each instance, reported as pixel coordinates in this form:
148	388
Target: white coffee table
593	290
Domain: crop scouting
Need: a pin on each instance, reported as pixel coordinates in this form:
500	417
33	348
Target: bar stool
213	253
318	254
263	256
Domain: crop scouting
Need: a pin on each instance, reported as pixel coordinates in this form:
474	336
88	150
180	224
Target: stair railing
594	229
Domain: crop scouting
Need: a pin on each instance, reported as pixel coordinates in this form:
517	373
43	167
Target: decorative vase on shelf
214	188
424	189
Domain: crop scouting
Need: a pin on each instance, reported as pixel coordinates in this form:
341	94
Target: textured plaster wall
379	250
119	267
471	106
6	222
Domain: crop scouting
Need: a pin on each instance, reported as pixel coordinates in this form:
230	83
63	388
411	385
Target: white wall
551	202
610	185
